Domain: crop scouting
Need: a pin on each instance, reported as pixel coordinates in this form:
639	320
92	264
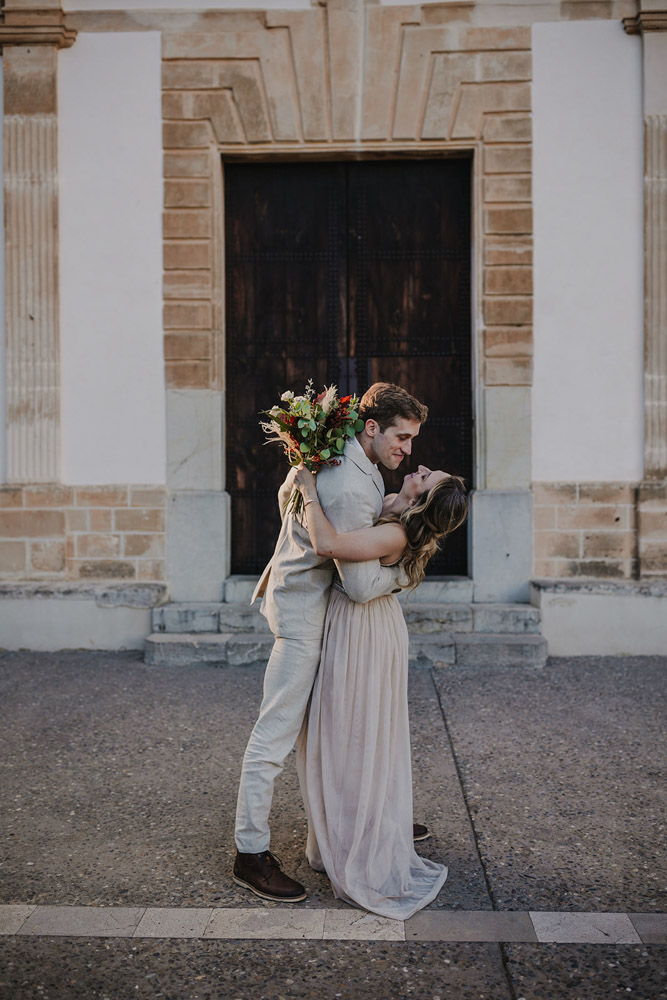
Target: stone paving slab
588	928
461	925
82	921
299	922
266	924
160	922
13	916
651	927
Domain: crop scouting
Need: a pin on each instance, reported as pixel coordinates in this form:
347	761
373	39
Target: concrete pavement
544	790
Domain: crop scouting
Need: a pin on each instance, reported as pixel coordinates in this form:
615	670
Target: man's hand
305	483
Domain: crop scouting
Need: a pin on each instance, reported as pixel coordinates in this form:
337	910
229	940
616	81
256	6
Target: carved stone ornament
646	20
25	22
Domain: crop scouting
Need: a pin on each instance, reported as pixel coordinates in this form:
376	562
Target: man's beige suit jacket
295	584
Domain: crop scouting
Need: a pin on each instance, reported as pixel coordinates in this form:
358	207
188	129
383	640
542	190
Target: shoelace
273	859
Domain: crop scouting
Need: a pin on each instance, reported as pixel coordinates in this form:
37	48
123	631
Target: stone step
223	649
426	649
421	618
441	589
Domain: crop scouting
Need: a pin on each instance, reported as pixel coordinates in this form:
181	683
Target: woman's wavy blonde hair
437	513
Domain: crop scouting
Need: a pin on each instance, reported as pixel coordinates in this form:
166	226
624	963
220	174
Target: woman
354	749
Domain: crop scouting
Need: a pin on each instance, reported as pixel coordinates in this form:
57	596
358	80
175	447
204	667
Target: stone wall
54	532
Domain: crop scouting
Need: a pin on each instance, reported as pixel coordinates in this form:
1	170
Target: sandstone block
187	346
608	544
97	546
544	518
594	516
180	256
186	164
186	223
507	128
187	316
151	569
601	568
508	311
101	496
576	10
653	524
546	568
508	219
557	544
190	75
508	281
144	545
652	496
188	374
147	496
139	520
507	159
187	194
554	493
606	493
504	66
186	135
507	187
495	39
508	341
105	569
31	524
11	496
99	520
508	371
175	105
187	284
508	249
77	520
12	557
47	557
51	495
653	558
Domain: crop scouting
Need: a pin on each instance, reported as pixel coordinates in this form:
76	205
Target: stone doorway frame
347	82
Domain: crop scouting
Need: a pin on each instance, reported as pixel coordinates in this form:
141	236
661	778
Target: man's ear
372	428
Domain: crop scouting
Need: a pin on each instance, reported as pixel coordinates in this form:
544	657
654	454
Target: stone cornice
35	22
646	20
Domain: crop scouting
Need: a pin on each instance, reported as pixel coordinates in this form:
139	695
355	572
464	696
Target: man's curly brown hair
385	403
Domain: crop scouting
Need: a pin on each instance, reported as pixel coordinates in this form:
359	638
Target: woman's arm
384	541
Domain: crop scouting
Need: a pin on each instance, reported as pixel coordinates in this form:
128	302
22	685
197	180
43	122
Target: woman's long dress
354	762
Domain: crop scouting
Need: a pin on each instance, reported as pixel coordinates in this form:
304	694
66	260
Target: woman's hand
305	483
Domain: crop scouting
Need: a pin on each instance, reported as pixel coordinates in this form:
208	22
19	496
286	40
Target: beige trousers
288	682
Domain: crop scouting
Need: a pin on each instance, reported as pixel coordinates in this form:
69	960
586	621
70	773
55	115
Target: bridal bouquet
312	429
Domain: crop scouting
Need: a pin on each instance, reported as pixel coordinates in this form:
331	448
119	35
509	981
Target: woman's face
416	483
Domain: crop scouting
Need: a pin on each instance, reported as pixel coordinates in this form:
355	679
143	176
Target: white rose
287	395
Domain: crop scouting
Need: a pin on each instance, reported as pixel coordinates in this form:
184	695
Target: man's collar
356	454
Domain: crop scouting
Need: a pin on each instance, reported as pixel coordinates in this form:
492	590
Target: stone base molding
87	533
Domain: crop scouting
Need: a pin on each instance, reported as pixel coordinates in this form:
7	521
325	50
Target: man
296	586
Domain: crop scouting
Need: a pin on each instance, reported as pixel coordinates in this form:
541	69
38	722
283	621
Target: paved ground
544	791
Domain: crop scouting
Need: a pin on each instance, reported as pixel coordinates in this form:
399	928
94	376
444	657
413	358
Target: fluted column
655	344
31	35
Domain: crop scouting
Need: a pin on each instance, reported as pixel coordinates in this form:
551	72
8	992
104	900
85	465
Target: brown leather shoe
420	832
261	873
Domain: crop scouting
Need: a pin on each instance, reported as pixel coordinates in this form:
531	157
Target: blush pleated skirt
354	763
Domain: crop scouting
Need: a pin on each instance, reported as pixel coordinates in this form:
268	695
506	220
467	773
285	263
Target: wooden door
348	273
